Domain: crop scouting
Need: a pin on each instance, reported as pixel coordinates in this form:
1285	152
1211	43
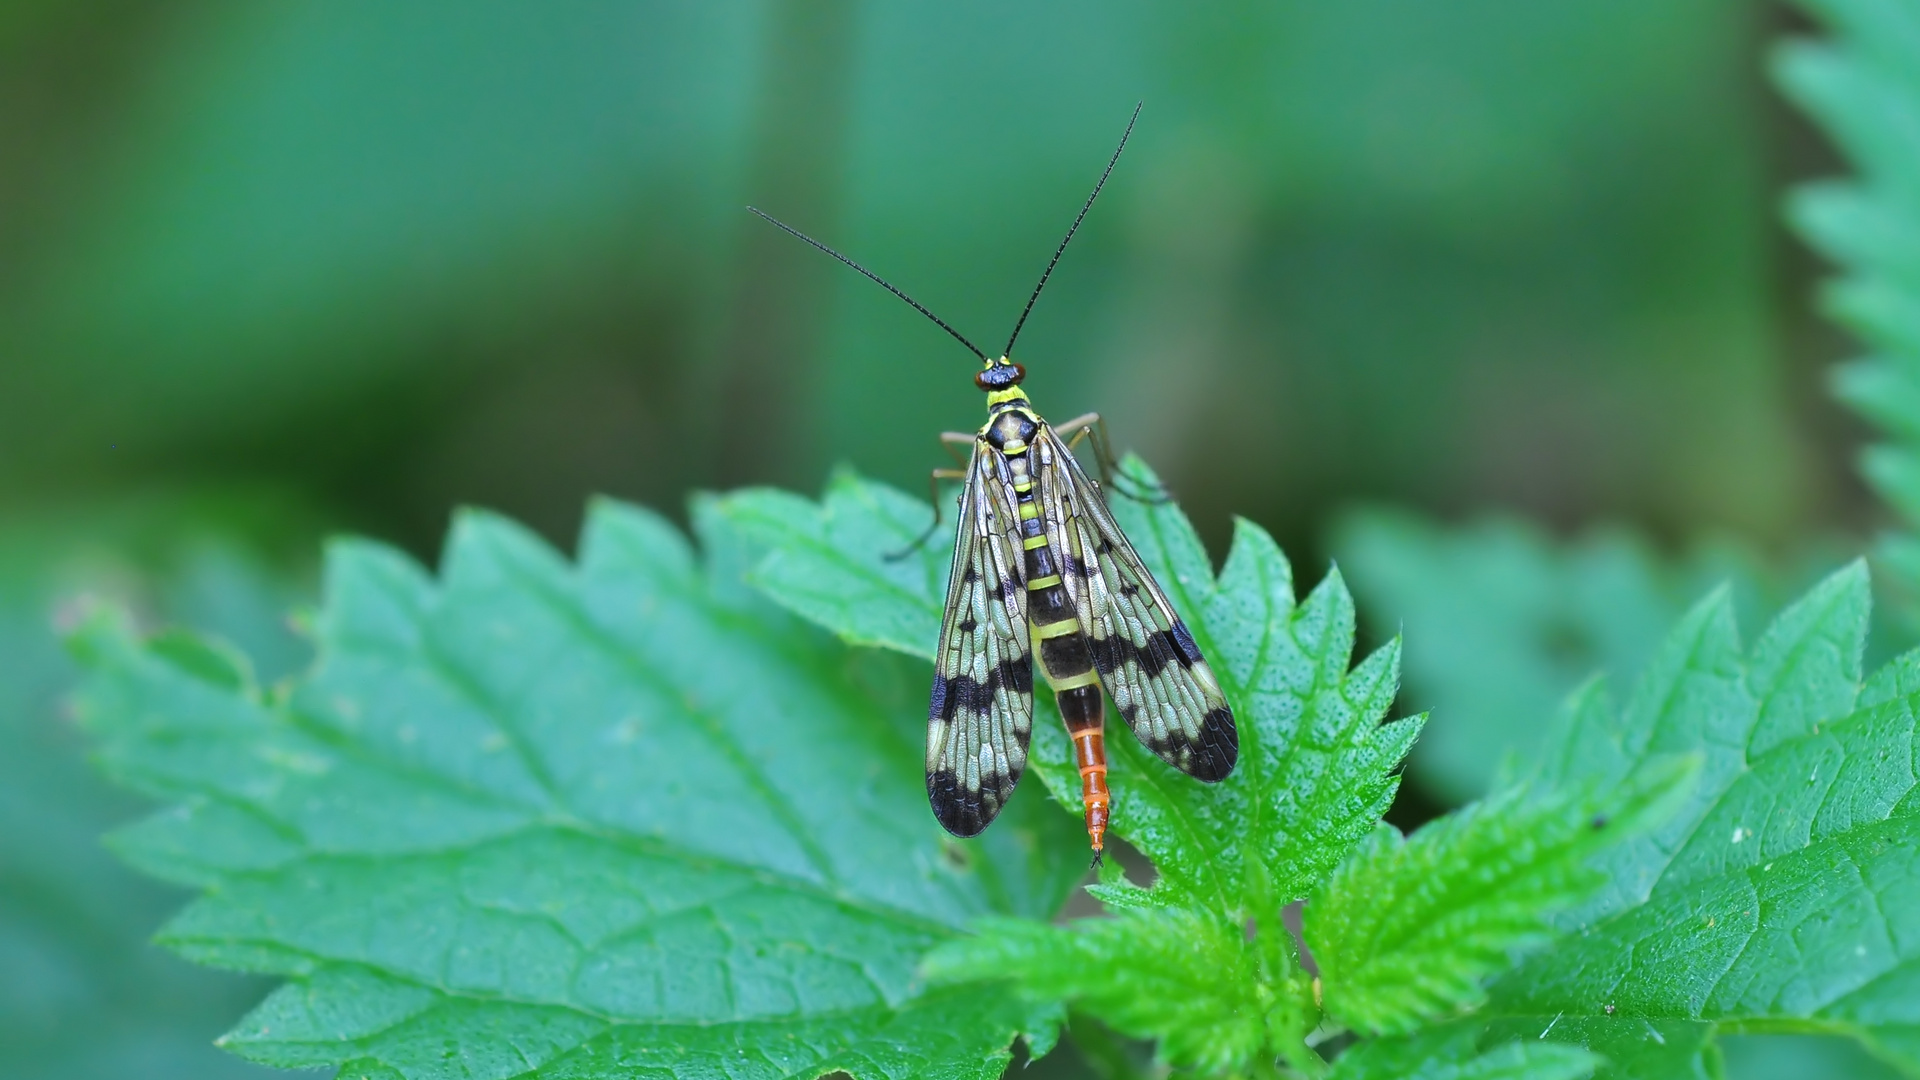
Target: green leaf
1453	1053
86	996
1779	895
1405	930
568	820
1503	618
1791	1056
829	561
1859	86
1188	978
1630	1047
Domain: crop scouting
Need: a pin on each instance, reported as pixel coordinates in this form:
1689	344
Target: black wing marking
981	714
1146	658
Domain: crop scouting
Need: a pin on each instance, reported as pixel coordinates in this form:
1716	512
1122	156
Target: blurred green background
270	271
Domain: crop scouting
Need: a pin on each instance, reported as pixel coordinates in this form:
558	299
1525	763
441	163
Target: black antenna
1057	252
876	279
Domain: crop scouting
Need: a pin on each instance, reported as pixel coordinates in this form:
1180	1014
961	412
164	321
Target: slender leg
1093	428
933	495
948	439
951	439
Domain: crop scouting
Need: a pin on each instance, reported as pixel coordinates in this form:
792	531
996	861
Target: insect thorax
1012	427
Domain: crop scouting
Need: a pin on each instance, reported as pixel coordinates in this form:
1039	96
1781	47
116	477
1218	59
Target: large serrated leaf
567	820
1780	895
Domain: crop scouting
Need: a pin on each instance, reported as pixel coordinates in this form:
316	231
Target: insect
1038	560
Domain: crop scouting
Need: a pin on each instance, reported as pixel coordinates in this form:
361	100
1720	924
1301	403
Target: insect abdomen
1066	662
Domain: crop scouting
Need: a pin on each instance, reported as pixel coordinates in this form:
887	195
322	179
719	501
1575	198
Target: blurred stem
779	293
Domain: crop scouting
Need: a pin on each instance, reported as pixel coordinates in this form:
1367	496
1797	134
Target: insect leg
948	439
1093	428
951	439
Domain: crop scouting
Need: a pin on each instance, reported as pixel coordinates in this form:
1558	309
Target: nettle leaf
536	819
1405	930
1191	979
1780	895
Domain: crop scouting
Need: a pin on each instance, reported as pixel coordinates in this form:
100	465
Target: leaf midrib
644	846
825	1016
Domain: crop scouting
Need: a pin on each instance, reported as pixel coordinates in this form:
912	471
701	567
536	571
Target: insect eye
1000	376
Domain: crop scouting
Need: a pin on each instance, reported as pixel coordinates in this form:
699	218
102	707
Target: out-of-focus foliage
409	256
1502	621
85	996
1862	85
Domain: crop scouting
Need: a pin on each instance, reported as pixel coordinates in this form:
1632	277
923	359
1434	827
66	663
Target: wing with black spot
1147	659
981	713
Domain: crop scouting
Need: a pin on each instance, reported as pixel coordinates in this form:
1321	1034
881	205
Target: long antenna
941	323
1057	252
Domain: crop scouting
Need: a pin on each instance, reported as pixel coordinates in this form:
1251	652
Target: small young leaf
1185	977
568	820
1405	930
851	562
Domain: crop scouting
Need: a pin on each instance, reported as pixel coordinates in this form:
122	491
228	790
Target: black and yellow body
1041	567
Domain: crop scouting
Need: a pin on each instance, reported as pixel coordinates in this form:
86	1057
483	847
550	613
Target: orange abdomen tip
1090	753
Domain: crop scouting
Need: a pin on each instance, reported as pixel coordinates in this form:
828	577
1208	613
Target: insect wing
1145	655
981	713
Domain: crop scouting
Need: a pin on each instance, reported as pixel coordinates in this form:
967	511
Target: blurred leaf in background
1862	87
86	995
402	260
1503	620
